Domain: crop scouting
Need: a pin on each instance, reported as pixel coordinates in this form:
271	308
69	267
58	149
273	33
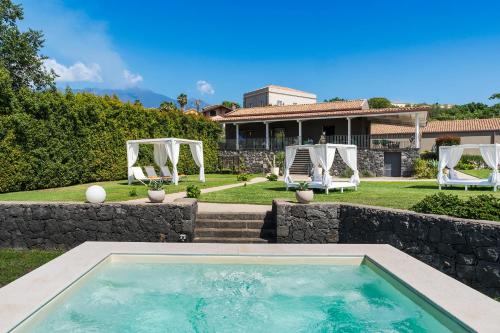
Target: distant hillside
148	98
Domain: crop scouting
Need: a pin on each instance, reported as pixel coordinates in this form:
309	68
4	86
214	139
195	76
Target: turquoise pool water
163	297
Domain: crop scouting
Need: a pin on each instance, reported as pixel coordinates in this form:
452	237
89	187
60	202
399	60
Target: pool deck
21	298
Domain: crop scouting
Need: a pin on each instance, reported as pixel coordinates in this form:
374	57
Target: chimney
233	107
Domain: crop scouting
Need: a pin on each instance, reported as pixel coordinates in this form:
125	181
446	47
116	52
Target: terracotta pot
156	196
304	197
275	171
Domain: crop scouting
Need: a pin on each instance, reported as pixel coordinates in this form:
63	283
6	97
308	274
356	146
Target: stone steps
301	163
234	228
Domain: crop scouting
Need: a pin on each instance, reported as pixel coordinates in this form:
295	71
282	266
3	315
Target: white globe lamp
95	194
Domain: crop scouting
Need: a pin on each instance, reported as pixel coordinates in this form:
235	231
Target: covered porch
277	134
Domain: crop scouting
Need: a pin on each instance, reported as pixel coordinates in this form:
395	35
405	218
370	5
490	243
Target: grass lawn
16	263
481	173
387	194
116	190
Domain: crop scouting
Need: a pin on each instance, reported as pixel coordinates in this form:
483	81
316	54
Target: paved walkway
178	195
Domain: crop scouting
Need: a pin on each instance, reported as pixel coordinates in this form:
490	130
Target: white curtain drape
289	158
325	156
349	156
197	153
132	155
491	155
448	157
317	171
160	154
173	149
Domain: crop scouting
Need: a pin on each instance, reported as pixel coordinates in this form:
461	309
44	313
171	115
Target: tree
19	51
182	99
168	106
379	103
495	96
229	104
335	99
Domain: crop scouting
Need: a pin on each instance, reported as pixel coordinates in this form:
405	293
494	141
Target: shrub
425	168
51	138
346	173
446	141
193	191
471	162
272	177
132	192
280	160
367	173
429	155
155	185
484	207
243	177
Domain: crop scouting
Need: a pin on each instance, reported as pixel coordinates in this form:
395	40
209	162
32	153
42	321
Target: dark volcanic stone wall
66	225
467	250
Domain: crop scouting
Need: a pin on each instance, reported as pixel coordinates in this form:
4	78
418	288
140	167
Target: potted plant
156	193
303	194
275	170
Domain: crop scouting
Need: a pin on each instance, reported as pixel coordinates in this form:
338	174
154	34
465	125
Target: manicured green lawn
116	190
481	173
387	194
16	263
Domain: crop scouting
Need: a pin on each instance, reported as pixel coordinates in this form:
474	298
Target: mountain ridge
147	97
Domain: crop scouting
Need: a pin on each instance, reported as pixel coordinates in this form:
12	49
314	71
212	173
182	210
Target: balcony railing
383	142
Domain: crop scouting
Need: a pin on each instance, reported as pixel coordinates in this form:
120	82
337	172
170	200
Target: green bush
272	177
346	173
243	177
367	173
132	192
193	191
471	162
52	139
425	168
480	207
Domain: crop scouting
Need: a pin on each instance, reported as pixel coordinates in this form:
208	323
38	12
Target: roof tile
441	126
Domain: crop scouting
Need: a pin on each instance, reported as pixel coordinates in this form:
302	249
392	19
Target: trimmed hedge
480	207
52	139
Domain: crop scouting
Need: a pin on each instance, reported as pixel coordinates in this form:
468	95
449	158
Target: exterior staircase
301	164
235	228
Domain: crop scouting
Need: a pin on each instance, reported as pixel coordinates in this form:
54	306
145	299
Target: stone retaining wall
467	250
257	161
66	225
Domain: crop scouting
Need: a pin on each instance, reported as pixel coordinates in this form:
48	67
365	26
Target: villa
276	117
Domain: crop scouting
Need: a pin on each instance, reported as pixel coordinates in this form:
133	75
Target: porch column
348	131
300	131
267	135
417	131
237	136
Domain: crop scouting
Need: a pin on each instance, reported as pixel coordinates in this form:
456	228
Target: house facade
271	128
474	131
276	95
217	110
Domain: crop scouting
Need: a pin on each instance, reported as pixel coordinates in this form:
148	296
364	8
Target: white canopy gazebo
166	149
322	156
449	156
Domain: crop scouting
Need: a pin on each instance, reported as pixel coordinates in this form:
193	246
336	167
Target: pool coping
23	296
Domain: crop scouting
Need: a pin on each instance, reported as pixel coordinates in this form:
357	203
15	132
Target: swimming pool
224	292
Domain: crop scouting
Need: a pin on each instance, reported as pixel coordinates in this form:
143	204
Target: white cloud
205	88
72	37
78	72
131	79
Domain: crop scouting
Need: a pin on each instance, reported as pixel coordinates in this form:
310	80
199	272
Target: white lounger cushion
150	171
139	174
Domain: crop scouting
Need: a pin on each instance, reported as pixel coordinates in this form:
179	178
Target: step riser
224	233
238	241
232	216
230	224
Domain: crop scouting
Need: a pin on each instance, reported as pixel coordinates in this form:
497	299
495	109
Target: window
279	103
212	113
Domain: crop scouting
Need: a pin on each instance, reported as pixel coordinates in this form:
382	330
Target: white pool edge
21	298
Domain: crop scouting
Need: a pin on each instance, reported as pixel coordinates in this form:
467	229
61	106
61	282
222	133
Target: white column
348	131
267	135
237	136
300	131
417	131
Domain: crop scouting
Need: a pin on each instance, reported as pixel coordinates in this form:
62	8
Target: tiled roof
215	106
441	126
317	110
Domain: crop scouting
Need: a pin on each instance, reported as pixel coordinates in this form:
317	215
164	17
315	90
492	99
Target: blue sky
416	51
